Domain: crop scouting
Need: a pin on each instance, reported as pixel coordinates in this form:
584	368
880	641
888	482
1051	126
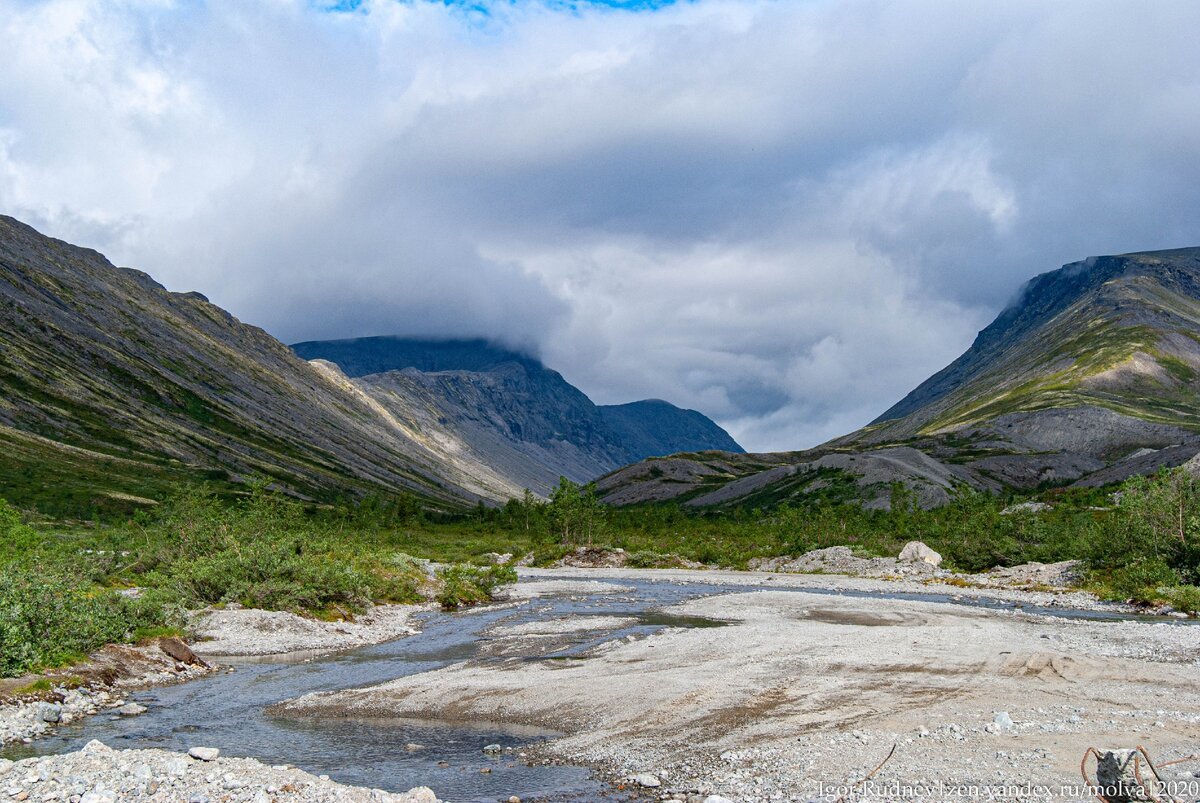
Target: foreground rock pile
99	774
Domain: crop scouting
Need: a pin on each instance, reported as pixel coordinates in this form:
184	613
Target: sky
783	213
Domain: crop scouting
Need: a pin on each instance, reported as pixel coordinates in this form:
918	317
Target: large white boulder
917	552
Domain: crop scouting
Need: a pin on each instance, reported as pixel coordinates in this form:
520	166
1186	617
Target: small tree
574	512
1161	521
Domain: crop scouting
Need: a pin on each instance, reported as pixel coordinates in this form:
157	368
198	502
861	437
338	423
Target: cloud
785	215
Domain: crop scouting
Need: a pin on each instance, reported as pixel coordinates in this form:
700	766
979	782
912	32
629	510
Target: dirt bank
800	693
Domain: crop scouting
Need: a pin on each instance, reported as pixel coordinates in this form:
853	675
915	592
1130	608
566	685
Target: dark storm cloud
784	214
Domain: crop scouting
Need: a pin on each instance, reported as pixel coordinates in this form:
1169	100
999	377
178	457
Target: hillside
113	389
511	412
1092	376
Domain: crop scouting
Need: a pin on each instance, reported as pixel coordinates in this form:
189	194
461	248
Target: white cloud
783	214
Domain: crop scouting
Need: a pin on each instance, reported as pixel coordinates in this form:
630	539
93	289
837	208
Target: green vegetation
60	588
60	583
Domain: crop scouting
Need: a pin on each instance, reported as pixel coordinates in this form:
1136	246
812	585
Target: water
228	709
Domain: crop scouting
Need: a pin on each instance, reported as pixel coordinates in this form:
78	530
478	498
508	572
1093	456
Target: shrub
273	575
464	585
1184	598
48	620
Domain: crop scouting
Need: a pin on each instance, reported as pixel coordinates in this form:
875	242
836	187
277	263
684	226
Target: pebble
204	753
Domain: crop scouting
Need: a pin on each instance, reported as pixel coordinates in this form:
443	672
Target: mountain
1091	376
114	391
511	412
113	388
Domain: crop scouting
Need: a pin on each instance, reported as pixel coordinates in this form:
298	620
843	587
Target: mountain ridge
115	391
1096	364
509	405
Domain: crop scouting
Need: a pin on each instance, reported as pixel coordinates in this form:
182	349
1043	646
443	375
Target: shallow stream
226	710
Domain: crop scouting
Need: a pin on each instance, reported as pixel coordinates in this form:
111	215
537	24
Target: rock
180	652
647	780
49	712
918	552
492	749
1026	507
132	710
5	766
717	799
96	746
204	753
413	747
99	796
1116	774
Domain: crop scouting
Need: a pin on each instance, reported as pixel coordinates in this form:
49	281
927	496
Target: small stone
717	799
204	753
96	746
49	712
647	780
1002	721
99	796
413	747
132	710
493	749
5	766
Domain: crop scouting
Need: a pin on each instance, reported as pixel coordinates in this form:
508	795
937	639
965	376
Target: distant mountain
1092	376
511	412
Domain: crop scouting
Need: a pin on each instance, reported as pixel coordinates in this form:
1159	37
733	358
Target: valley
421	564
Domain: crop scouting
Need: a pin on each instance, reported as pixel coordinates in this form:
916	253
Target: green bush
464	585
1184	598
48	620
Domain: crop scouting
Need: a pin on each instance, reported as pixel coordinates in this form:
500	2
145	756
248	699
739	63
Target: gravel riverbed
99	774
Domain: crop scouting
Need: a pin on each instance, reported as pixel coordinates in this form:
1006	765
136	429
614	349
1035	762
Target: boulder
647	781
918	552
180	651
131	710
1026	507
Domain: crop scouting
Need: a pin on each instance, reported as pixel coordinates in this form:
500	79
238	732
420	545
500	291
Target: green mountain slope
133	387
1093	375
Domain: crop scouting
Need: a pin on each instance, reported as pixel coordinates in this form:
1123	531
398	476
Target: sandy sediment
801	693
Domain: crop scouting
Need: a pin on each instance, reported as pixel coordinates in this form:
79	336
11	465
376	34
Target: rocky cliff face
1092	376
511	412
